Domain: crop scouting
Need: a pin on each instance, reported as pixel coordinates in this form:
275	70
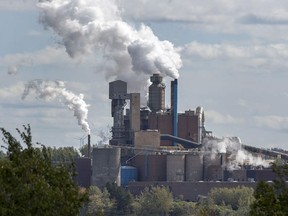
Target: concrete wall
239	175
176	167
135	111
146	139
264	175
194	167
188	125
162	123
84	172
150	167
105	166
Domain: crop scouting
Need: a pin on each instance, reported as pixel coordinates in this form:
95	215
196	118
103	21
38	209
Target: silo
128	174
156	94
105	166
213	167
194	167
175	167
150	167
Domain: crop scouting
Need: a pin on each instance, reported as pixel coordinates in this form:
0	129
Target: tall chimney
174	108
89	146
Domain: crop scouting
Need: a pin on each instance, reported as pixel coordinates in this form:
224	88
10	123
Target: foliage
2	155
183	208
154	201
99	202
122	198
272	199
227	201
235	197
63	154
31	184
84	150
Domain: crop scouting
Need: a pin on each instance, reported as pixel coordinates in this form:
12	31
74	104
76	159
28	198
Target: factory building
158	145
188	125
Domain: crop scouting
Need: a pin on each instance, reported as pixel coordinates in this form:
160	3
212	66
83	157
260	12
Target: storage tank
194	167
150	167
128	174
175	167
156	94
105	166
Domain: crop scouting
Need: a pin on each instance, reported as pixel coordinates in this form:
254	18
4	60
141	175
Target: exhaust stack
89	146
174	109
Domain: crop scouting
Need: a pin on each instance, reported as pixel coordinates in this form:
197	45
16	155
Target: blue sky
234	56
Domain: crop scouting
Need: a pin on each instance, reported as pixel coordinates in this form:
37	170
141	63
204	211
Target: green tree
122	198
265	200
154	201
99	202
63	154
183	208
84	150
236	198
227	201
31	184
272	198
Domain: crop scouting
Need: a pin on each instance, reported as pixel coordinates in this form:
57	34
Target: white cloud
269	55
220	118
273	122
17	5
242	103
35	33
13	92
46	56
204	11
262	19
233	51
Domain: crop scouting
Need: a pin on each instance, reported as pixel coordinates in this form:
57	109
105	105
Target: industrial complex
157	145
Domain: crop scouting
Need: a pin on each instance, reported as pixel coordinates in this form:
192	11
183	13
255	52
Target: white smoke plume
52	90
232	147
96	26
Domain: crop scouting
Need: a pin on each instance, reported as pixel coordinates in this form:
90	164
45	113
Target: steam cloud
95	26
51	90
237	156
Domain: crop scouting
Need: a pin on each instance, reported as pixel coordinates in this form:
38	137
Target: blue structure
128	174
174	108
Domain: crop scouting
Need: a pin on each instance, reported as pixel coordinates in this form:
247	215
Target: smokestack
174	109
89	147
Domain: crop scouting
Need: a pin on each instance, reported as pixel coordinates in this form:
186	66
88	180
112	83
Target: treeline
113	200
31	183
